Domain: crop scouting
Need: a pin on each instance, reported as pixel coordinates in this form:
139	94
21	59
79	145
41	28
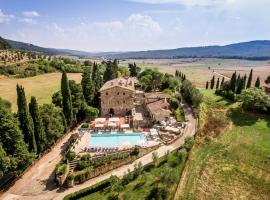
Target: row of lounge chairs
103	149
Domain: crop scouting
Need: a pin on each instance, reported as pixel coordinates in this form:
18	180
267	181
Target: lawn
42	87
236	165
163	176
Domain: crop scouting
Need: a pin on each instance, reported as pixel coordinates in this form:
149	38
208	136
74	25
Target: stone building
117	96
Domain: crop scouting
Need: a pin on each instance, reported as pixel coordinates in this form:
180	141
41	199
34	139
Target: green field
236	165
42	87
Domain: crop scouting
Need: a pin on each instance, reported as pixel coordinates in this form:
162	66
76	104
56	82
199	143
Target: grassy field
236	165
42	87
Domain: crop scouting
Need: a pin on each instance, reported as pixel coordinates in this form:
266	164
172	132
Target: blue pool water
116	140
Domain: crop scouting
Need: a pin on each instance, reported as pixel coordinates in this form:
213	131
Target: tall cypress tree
212	83
249	79
244	81
240	86
66	99
222	82
87	85
97	78
233	82
38	126
26	122
207	85
217	86
258	82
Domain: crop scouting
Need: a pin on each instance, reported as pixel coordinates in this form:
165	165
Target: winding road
38	182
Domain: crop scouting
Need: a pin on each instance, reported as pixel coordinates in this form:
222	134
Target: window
117	93
124	93
106	93
124	101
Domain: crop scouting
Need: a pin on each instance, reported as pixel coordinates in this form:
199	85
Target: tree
255	99
258	82
240	86
13	150
233	82
217	86
90	113
222	82
26	122
244	81
267	81
110	71
97	83
212	83
207	85
54	122
57	99
87	85
249	79
40	136
134	70
66	100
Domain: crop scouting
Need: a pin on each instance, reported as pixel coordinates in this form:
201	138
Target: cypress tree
38	126
26	122
207	85
87	85
258	82
217	86
244	81
66	99
97	78
110	71
212	83
240	86
184	77
249	79
233	82
222	82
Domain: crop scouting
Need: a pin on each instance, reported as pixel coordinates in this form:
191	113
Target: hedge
92	189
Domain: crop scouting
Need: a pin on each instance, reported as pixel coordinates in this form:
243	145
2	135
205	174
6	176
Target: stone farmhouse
120	97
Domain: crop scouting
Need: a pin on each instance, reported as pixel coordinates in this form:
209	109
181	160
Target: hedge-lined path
33	183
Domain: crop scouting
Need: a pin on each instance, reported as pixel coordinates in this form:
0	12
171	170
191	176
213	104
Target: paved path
33	184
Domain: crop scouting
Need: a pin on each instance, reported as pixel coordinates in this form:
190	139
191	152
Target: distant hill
4	44
255	50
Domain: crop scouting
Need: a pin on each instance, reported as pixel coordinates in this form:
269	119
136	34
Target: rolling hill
4	44
253	50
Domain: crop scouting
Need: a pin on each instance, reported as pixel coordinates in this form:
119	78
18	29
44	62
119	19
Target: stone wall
116	99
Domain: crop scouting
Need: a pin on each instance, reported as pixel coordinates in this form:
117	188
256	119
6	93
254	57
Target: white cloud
184	2
28	21
31	14
4	18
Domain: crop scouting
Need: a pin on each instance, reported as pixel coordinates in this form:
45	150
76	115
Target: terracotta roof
157	95
127	83
159	109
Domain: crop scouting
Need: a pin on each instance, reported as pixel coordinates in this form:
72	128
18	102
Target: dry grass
198	71
42	87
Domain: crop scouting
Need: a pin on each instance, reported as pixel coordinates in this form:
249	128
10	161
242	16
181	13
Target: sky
131	25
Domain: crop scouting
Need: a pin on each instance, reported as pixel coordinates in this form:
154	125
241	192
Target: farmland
235	165
200	70
42	87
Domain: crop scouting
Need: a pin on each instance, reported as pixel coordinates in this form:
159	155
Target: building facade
117	96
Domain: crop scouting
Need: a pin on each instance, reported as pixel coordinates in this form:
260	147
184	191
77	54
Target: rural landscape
83	118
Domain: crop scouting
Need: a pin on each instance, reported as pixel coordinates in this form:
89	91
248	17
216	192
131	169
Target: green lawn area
41	86
163	176
236	165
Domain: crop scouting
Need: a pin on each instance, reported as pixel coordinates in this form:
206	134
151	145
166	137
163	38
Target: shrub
86	157
61	169
85	125
81	165
174	103
71	155
113	196
135	151
157	193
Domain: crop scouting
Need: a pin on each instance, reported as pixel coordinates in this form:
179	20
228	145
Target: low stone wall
106	168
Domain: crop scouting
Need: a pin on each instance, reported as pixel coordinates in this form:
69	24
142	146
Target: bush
189	143
174	103
84	192
113	196
86	157
71	155
85	125
61	169
135	151
157	193
81	165
179	114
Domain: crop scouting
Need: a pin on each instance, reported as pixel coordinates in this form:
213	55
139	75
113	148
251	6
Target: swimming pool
117	140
